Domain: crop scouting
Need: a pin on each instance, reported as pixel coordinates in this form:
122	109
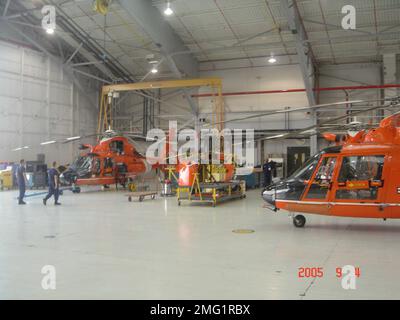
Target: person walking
21	181
54	184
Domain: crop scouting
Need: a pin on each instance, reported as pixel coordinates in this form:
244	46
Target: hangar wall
260	78
271	78
289	77
38	103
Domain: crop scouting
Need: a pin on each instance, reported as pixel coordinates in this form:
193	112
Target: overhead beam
6	8
303	49
168	84
74	53
162	34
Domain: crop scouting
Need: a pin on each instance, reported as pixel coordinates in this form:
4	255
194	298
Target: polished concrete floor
104	247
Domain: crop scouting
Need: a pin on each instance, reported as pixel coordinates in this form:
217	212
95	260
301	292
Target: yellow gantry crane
105	114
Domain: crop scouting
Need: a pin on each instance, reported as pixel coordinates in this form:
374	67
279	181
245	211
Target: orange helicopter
114	160
359	177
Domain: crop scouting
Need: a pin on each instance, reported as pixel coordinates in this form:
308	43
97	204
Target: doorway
296	157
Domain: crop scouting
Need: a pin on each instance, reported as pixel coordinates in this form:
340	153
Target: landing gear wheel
179	203
153	197
130	199
141	198
299	221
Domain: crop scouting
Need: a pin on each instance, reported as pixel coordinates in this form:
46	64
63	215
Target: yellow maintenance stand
6	179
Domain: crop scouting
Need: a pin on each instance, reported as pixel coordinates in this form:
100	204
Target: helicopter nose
63	178
67	177
268	195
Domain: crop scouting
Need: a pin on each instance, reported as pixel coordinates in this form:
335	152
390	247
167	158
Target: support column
168	42
73	112
21	101
306	60
390	74
48	112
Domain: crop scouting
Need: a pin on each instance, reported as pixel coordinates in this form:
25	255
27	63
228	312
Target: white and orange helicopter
357	177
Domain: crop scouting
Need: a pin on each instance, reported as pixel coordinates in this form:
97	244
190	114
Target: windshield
305	172
82	163
140	148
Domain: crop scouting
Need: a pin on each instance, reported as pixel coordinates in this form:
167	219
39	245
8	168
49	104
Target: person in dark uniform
267	170
21	180
273	168
54	185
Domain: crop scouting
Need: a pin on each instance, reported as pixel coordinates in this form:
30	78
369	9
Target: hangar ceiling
223	33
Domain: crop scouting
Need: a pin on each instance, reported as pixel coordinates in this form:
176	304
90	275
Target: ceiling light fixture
73	138
49	31
272	59
168	11
48	142
20	148
275	137
154	70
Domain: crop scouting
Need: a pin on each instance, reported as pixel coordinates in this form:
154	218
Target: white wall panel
37	104
10	85
282	78
260	79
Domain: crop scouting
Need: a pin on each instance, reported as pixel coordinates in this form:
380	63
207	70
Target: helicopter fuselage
360	179
113	160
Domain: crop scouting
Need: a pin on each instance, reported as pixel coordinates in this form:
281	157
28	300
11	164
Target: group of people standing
53	182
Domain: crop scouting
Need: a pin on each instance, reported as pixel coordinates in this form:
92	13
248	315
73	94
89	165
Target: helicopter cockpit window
82	163
322	180
306	171
117	146
96	166
361	168
108	163
356	175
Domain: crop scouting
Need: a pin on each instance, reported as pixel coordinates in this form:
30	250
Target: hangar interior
272	57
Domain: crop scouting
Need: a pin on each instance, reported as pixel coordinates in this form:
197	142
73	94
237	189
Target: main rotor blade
73	139
307	108
297	132
134	136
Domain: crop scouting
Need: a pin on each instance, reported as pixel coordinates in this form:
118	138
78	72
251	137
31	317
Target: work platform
213	193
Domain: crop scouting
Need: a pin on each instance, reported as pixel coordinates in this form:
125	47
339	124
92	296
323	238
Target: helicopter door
359	181
320	186
108	166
